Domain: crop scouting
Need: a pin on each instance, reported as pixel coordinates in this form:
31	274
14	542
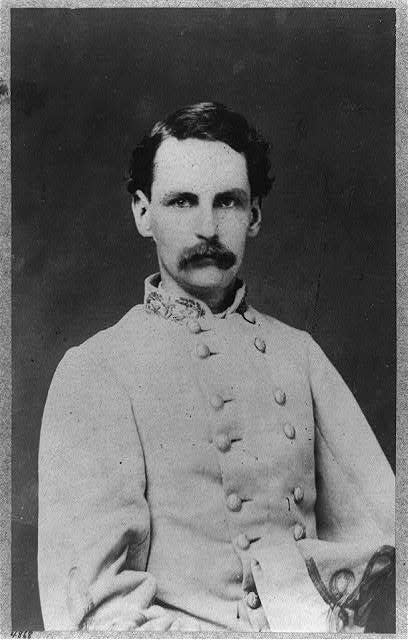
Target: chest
231	383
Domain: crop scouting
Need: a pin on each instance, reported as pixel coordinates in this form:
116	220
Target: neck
217	299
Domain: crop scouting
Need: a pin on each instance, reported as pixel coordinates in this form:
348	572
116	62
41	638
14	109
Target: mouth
207	257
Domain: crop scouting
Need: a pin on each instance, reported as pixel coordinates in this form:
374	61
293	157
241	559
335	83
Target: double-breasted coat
205	472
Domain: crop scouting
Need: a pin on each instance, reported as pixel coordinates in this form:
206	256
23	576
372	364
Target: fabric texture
203	472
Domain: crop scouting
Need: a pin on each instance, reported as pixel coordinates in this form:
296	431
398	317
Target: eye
181	202
227	202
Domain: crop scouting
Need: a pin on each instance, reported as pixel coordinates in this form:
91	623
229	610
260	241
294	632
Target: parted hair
205	121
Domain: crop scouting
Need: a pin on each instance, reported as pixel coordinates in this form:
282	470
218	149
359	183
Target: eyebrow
237	193
175	195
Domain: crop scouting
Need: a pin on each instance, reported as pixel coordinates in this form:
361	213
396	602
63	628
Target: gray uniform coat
203	471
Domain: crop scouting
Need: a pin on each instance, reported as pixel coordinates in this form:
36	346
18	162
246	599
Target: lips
207	257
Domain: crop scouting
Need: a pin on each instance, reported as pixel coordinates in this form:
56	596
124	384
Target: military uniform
209	470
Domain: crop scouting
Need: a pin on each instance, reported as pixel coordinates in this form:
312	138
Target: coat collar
158	301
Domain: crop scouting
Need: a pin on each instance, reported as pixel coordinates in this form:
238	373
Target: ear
256	218
141	213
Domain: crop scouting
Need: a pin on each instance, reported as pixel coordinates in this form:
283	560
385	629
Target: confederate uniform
211	468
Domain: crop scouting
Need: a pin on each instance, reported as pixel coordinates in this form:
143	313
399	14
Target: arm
93	517
355	483
354	514
355	507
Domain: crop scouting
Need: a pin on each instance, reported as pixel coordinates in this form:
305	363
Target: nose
207	224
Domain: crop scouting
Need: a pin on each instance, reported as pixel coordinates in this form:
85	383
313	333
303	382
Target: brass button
222	442
280	396
234	502
289	430
298	494
252	600
242	542
299	531
203	350
216	401
260	344
194	326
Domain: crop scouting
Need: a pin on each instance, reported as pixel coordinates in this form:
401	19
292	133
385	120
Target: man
203	466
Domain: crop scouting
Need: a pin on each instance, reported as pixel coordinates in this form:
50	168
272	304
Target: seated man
202	465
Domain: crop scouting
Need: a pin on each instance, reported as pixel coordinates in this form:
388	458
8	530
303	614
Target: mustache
215	250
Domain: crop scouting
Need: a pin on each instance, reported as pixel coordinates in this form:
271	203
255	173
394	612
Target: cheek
169	238
233	231
172	228
162	229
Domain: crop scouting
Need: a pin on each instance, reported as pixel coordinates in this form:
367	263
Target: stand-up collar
158	300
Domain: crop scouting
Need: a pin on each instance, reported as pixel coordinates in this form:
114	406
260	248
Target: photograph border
401	147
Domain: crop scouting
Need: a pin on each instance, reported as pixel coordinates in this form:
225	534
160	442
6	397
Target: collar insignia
159	302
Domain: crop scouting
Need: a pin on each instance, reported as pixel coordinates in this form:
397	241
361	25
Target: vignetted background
86	84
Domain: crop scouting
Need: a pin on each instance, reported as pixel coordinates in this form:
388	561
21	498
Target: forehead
197	165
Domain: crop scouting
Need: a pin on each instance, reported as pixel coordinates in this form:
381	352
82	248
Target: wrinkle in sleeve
93	516
355	483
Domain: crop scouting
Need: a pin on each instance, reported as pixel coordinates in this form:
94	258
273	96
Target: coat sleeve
329	582
355	483
93	532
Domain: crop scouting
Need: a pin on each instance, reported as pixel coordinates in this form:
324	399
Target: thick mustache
224	258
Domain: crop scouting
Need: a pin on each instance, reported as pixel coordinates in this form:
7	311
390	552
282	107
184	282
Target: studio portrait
203	320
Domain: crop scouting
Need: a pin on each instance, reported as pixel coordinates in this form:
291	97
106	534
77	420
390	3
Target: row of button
217	402
223	442
234	502
203	350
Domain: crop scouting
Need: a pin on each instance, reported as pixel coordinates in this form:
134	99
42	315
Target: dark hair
205	121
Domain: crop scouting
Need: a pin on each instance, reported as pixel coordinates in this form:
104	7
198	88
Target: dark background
87	83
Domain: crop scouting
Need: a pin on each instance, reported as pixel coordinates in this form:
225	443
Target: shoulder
131	330
102	353
88	381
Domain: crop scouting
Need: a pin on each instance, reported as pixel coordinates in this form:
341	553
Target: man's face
200	212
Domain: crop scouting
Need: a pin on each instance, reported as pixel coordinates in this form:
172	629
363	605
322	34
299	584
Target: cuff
118	604
289	598
318	586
